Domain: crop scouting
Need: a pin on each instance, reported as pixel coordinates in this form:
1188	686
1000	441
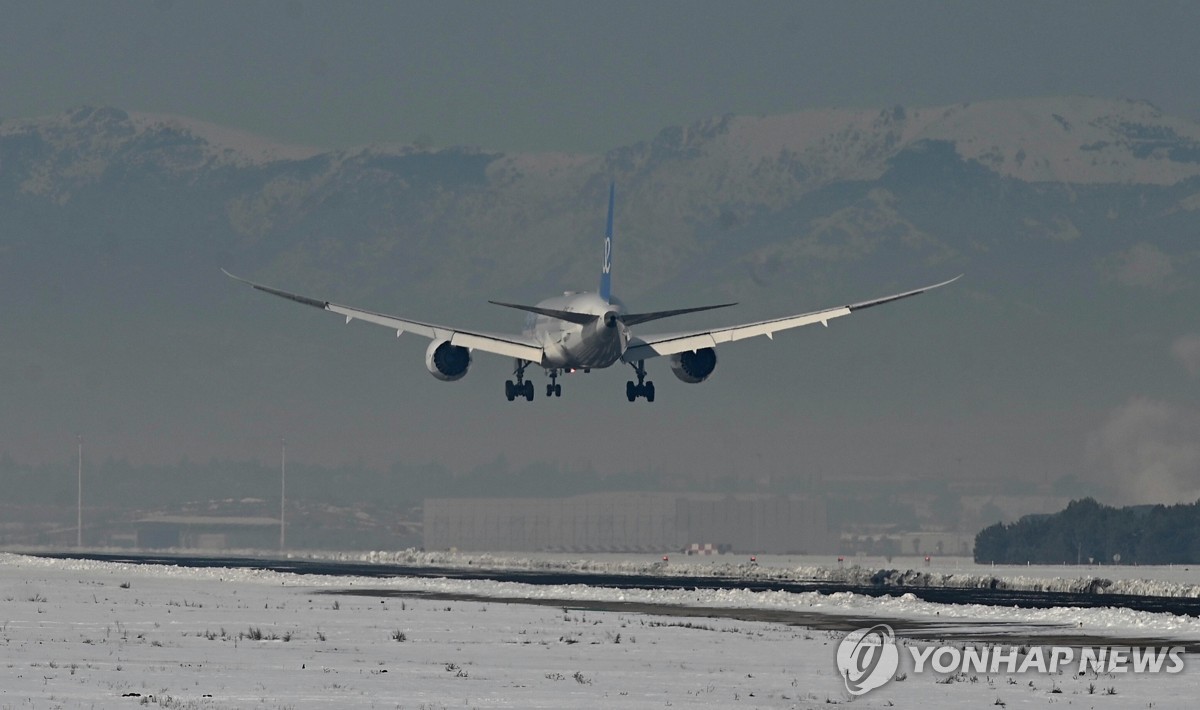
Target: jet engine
695	366
447	362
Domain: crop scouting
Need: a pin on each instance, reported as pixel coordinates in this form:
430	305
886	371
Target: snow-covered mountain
1075	140
759	159
1075	219
727	175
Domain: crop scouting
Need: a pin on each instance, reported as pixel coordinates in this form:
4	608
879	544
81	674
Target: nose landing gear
553	389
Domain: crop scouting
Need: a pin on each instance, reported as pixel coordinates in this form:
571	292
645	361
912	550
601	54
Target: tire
528	391
630	391
549	390
649	392
557	390
509	390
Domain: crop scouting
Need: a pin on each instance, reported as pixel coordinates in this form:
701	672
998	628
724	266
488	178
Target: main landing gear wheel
642	388
520	388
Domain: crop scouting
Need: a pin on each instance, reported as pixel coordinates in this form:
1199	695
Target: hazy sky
576	76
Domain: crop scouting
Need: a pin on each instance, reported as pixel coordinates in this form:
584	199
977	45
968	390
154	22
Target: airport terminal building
630	522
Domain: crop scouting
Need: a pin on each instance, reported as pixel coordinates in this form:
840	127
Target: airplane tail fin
606	272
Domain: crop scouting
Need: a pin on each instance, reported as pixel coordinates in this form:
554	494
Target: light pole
282	490
79	497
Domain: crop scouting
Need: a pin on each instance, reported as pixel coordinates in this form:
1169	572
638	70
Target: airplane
585	331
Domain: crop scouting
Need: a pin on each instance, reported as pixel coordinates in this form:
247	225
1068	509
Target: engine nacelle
695	366
447	362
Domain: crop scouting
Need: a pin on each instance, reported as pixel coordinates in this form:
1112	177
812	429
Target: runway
992	595
1000	632
227	631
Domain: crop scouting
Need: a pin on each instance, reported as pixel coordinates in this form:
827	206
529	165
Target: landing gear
553	389
521	388
642	388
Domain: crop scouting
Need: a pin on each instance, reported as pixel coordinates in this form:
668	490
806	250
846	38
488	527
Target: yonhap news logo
869	658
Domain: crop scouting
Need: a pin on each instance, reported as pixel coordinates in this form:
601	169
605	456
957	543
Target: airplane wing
649	346
510	345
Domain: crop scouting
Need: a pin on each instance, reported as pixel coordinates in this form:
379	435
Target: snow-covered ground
97	634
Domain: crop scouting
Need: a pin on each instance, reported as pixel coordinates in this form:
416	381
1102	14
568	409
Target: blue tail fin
606	273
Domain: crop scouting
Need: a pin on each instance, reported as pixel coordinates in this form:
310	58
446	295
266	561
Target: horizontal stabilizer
569	316
636	318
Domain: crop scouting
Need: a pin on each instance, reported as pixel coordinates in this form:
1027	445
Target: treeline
1087	532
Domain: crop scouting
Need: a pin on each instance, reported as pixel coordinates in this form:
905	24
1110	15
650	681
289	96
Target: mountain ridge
1080	259
1129	141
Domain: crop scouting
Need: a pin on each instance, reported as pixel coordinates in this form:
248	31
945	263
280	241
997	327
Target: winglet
888	299
606	272
315	303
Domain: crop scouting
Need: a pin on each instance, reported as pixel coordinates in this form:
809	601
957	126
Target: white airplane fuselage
570	346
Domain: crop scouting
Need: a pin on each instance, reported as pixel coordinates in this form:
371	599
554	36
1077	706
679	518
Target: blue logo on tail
606	273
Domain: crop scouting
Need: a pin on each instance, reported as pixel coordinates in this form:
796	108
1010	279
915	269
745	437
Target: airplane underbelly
598	351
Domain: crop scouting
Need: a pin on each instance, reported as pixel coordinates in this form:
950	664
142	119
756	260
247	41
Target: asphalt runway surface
992	596
945	595
997	632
